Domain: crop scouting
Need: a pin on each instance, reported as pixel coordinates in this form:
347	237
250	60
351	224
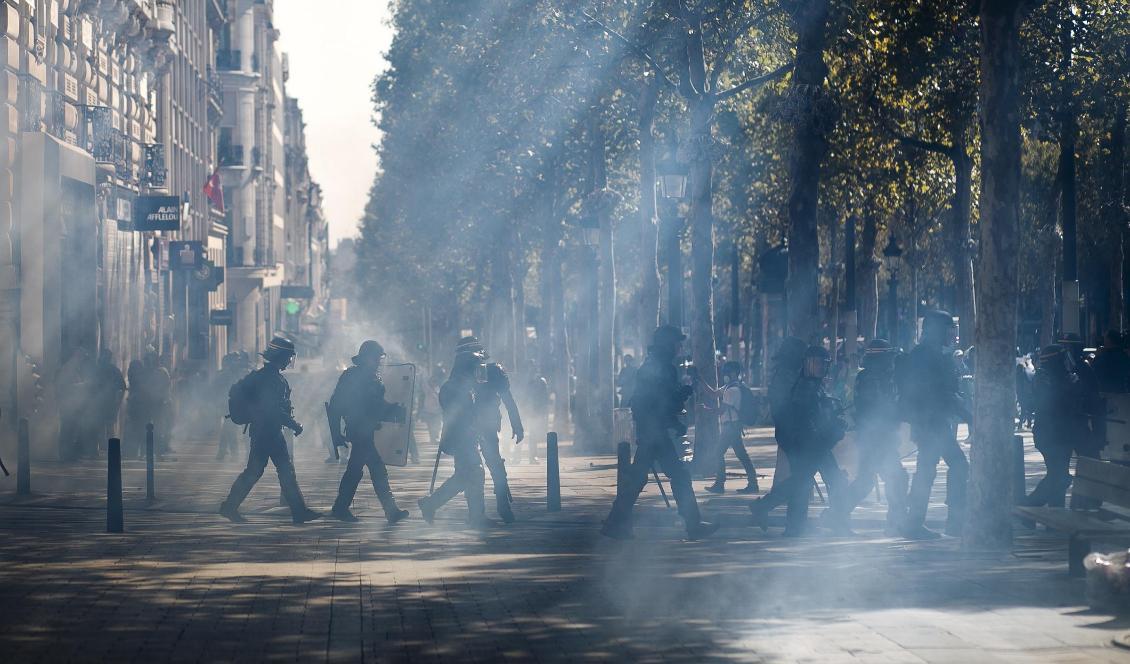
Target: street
183	584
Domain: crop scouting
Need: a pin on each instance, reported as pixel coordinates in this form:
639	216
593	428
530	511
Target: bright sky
336	47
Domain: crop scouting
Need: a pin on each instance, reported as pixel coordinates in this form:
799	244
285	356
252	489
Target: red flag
215	191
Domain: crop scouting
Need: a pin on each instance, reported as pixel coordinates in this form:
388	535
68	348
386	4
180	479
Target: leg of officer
681	487
256	463
354	471
288	481
495	464
926	470
471	478
634	481
378	474
957	485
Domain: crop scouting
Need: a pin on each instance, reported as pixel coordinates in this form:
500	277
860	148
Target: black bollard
150	475
1019	484
552	474
23	460
623	461
115	521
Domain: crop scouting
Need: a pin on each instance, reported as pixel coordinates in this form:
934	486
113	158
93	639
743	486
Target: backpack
241	401
748	412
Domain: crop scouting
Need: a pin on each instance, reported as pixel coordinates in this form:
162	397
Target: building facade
306	284
116	115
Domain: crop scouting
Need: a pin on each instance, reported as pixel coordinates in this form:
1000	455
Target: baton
4	468
662	491
435	470
333	440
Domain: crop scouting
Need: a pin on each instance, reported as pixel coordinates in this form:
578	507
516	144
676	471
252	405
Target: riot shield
391	440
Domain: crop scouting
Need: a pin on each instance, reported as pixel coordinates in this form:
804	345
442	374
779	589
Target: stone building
79	81
252	162
305	288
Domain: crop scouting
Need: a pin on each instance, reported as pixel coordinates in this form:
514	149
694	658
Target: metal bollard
623	461
115	521
552	474
1019	485
23	460
150	475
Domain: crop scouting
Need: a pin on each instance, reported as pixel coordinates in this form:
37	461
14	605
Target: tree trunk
990	496
868	284
500	332
808	156
702	273
961	208
649	266
1117	215
1069	130
558	362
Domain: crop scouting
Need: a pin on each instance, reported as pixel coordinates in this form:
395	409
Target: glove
519	435
296	428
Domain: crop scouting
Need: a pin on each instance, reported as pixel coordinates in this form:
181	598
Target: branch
929	146
754	82
634	48
732	44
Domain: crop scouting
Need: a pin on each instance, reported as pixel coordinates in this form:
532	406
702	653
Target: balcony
231	156
215	88
229	60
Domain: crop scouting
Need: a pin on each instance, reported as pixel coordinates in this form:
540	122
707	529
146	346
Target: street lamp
673	177
892	253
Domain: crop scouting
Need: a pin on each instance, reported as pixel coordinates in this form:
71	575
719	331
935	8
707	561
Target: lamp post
892	252
672	176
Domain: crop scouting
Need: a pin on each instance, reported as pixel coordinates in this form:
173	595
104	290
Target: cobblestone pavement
184	584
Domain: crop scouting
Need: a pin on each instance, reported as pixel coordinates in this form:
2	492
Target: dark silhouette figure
359	399
266	395
76	382
106	399
461	437
490	395
657	408
1060	425
730	418
932	402
876	435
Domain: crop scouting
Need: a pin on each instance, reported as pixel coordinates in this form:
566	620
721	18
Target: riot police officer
489	396
932	401
460	438
876	435
816	425
657	406
1060	424
265	396
359	399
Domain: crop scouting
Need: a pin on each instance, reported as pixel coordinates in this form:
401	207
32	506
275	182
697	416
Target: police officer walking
489	396
1060	424
730	419
359	399
460	439
933	404
876	435
657	404
265	398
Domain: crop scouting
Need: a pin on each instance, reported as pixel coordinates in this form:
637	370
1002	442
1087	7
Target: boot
231	513
760	512
304	515
426	510
701	530
919	533
717	488
619	530
504	511
396	516
343	514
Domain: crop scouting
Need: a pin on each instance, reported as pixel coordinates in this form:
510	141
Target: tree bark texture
868	277
989	523
809	148
961	206
649	266
702	271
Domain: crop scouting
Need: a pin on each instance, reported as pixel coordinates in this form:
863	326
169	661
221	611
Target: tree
990	524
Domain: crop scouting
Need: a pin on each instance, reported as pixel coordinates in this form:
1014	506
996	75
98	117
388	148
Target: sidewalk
184	584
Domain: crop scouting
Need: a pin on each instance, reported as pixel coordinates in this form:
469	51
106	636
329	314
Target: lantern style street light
673	177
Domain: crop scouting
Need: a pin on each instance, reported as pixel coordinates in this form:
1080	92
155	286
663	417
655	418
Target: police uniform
359	399
489	396
271	410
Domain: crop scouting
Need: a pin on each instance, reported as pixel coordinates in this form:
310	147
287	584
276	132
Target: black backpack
748	412
241	398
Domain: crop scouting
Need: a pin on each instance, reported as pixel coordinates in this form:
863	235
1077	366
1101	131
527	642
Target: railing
215	88
231	155
229	60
